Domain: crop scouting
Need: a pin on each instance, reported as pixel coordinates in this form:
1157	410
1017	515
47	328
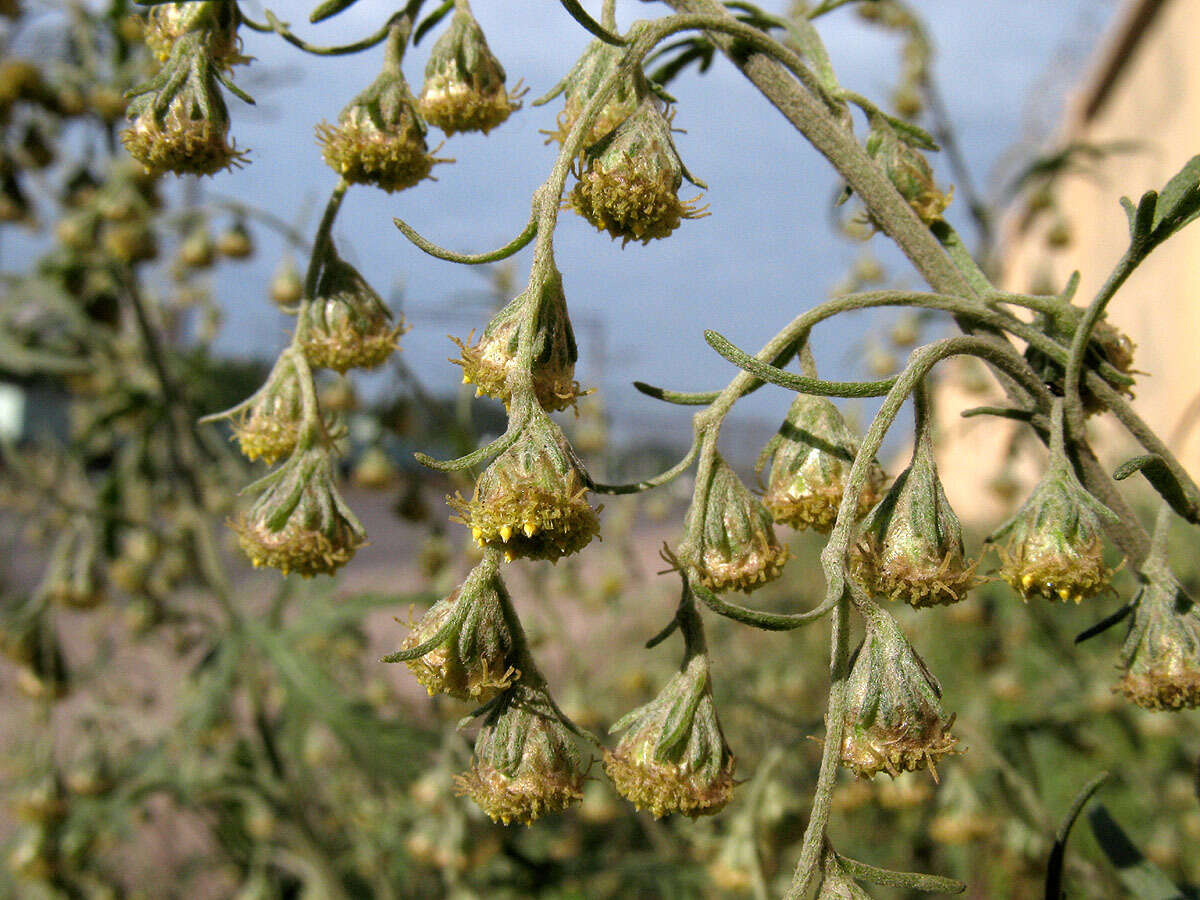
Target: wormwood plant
1058	363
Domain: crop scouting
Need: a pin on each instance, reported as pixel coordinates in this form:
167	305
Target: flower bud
1106	344
673	757
584	81
532	500
894	720
287	285
379	138
269	426
197	251
630	186
911	545
130	242
488	363
71	576
1162	650
525	763
347	325
464	83
180	123
908	172
473	660
811	458
735	544
1054	547
300	523
214	22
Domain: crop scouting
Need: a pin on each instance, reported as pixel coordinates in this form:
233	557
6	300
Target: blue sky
764	254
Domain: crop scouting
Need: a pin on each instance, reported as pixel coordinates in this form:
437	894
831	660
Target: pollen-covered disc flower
525	763
180	122
908	171
300	523
629	186
733	545
894	720
464	83
1054	546
811	457
583	82
267	426
379	138
911	545
347	325
1162	650
472	661
532	500
488	363
673	757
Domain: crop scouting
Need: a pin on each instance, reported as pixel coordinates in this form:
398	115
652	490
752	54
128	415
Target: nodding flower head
473	660
732	541
532	500
180	122
347	324
1162	650
214	22
464	83
911	545
269	426
811	457
1054	547
630	182
584	81
894	720
300	523
525	763
673	757
379	138
908	172
489	362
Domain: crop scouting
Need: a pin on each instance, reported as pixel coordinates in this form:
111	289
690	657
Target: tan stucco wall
1156	102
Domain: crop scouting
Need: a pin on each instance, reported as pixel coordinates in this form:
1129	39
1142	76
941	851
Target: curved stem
520	242
281	29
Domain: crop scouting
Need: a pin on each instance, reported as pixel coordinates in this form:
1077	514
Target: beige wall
1154	100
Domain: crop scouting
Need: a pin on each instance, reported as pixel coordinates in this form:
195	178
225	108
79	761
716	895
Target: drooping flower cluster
464	83
346	325
1161	653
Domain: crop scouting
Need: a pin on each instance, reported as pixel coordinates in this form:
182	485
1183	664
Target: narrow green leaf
328	9
431	21
1141	878
1163	480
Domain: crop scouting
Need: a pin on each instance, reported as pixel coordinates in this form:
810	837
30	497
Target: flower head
1162	650
911	545
269	426
583	82
811	458
630	184
214	21
347	325
894	720
673	757
488	363
908	172
180	122
734	540
300	523
1054	547
525	763
472	661
532	500
464	83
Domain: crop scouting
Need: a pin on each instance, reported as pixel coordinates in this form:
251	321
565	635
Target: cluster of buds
300	523
267	425
347	325
1162	650
464	83
1054	544
894	720
811	458
911	545
490	361
908	171
731	540
673	756
526	763
532	500
180	122
473	657
630	183
584	81
379	138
